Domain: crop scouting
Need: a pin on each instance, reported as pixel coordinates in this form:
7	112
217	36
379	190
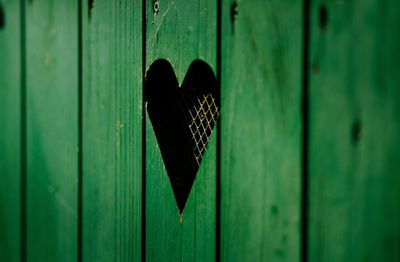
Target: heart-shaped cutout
183	118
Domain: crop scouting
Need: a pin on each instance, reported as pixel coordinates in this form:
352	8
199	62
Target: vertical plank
354	151
10	134
180	31
261	127
52	130
112	130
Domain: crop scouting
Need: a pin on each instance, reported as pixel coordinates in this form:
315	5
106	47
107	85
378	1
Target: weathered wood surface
351	112
112	130
354	151
52	130
10	130
261	127
180	31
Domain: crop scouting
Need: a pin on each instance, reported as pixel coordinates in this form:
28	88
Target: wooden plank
10	125
180	31
112	130
52	130
261	127
354	190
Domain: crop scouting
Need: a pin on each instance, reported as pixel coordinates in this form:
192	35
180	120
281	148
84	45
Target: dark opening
90	7
183	118
356	132
2	17
323	18
234	11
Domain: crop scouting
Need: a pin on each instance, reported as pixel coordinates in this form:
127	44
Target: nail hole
314	67
2	18
356	132
323	18
234	12
156	7
90	7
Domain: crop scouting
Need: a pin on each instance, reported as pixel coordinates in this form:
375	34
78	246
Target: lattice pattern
200	113
183	118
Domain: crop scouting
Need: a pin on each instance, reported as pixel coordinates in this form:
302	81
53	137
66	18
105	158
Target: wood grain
261	125
354	151
112	130
352	116
180	31
10	130
52	130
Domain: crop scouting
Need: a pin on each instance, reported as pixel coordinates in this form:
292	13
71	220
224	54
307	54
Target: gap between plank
143	231
218	129
23	184
305	134
80	142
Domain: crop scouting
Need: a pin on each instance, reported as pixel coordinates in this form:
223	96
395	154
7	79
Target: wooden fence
303	164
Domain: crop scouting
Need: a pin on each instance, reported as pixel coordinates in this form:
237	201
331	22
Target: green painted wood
180	31
112	130
10	135
261	128
354	151
52	130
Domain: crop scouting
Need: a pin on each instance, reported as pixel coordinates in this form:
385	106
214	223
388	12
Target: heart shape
183	118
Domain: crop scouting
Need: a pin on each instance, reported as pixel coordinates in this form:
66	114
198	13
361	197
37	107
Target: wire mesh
200	112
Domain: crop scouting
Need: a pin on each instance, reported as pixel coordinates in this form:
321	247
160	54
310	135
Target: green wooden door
302	164
180	31
111	131
12	92
261	127
51	106
354	132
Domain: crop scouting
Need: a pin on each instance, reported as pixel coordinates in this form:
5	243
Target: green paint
354	152
352	207
180	31
112	131
261	130
10	134
52	130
